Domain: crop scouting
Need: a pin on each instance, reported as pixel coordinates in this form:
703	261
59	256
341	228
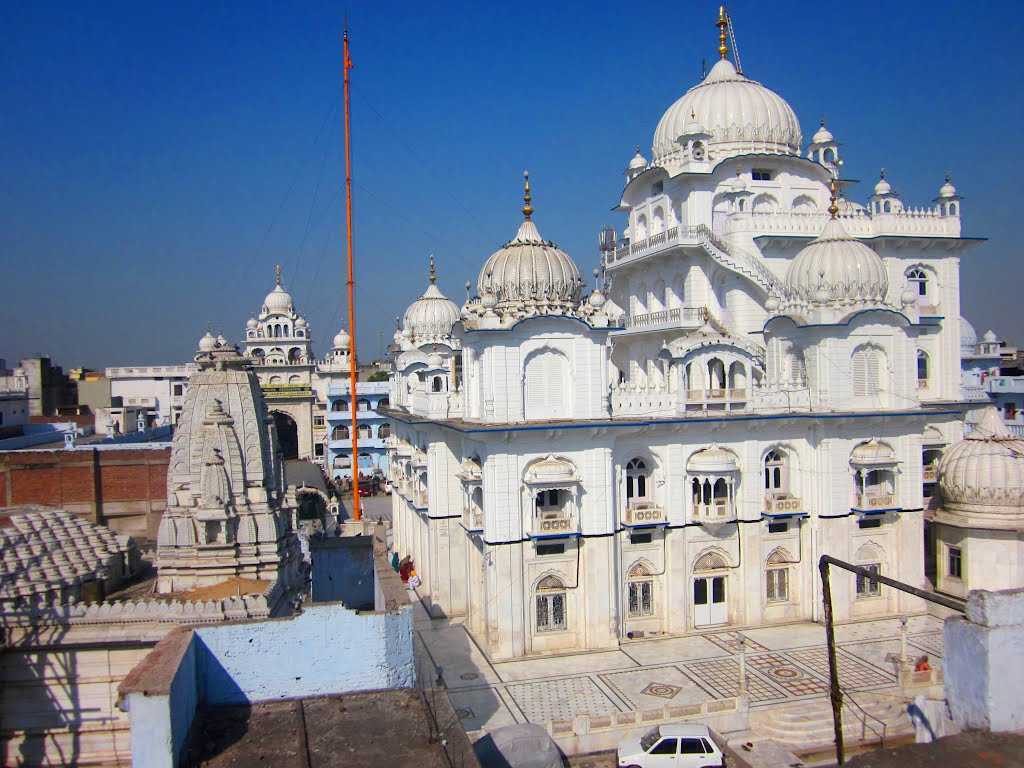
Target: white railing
715	511
678	317
643	402
910	221
973	392
548	523
876	500
782	505
181	371
640	512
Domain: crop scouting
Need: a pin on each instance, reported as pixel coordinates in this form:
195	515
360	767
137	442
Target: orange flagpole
352	370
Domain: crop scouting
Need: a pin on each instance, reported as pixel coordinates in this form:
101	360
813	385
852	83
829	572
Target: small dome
531	271
300	322
639	162
434	360
947	190
712	461
823	135
221	341
432	315
968	336
278	302
251	324
342	340
882	187
982	477
208	342
740	116
836	268
990	337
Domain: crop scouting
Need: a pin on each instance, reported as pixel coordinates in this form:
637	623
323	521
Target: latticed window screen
865	586
641	598
867	371
550	605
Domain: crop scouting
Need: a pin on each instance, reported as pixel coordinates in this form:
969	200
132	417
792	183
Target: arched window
436	384
550	603
868	365
918	280
716	376
383	431
545	382
742	204
640	587
952	209
294	355
383	402
804	204
658	220
765	204
777	576
887	207
636	480
365	432
362	405
711	561
641	228
698	151
776	479
870	558
738	378
339	405
923	369
549	501
294	379
340	432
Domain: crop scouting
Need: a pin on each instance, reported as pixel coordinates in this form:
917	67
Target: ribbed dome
278	301
531	270
836	268
823	135
431	316
982	477
251	324
947	189
208	342
638	162
342	340
883	187
739	114
968	336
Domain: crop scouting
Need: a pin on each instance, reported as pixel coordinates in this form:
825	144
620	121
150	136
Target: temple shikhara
765	372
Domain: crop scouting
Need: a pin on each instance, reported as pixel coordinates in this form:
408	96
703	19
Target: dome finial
527	197
723	25
277	274
433	271
833	206
881	174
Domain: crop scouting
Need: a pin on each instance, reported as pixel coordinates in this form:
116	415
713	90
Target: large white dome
982	477
740	115
968	337
432	315
836	269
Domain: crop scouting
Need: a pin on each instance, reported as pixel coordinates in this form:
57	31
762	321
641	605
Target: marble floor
783	664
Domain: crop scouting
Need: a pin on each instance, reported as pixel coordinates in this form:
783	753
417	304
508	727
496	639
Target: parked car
678	746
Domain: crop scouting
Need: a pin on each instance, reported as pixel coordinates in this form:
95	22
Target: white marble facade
752	384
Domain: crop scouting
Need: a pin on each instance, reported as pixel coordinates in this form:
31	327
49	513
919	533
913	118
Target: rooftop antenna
351	285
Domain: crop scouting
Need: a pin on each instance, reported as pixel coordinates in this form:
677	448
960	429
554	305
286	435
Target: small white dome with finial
221	341
342	340
947	190
432	315
823	135
639	162
251	324
278	301
208	342
882	187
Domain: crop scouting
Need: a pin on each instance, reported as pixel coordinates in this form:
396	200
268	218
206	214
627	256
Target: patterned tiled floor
784	664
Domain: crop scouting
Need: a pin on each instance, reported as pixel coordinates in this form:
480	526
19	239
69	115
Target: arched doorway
287	434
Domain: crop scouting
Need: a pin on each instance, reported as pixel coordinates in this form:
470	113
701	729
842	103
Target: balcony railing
715	511
783	505
472	519
553	523
666	319
644	513
876	500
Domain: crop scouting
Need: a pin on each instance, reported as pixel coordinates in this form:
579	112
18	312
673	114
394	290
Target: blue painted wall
326	649
343	570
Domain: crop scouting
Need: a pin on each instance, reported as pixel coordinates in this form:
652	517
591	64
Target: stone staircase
808	724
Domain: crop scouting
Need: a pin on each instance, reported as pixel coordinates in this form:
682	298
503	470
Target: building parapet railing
909	221
550	524
667	319
998	384
717	511
644	513
783	505
171	371
876	500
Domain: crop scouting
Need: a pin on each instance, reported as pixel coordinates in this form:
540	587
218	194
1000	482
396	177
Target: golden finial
433	271
833	207
277	274
527	197
723	25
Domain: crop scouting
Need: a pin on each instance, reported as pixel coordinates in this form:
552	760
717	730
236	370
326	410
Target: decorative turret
824	149
636	166
885	200
948	200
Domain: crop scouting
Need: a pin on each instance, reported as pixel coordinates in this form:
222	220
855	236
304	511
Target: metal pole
352	370
833	670
948	602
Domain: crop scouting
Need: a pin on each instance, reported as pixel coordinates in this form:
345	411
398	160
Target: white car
675	746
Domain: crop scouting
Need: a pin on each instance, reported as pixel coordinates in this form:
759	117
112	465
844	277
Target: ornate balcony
678	318
639	513
783	505
553	524
868	501
717	511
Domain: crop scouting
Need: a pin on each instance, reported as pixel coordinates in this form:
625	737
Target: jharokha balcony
640	513
783	505
876	501
560	523
715	511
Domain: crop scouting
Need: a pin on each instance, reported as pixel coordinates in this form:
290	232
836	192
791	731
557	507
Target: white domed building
758	378
978	523
279	344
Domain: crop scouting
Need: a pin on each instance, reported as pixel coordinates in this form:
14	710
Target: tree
379	376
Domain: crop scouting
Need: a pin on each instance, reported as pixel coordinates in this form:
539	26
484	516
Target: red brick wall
132	484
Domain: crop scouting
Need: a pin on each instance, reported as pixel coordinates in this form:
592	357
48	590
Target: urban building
753	383
991	374
374	429
49	388
156	393
14	399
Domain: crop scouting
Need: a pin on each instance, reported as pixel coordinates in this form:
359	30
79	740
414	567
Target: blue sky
159	159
